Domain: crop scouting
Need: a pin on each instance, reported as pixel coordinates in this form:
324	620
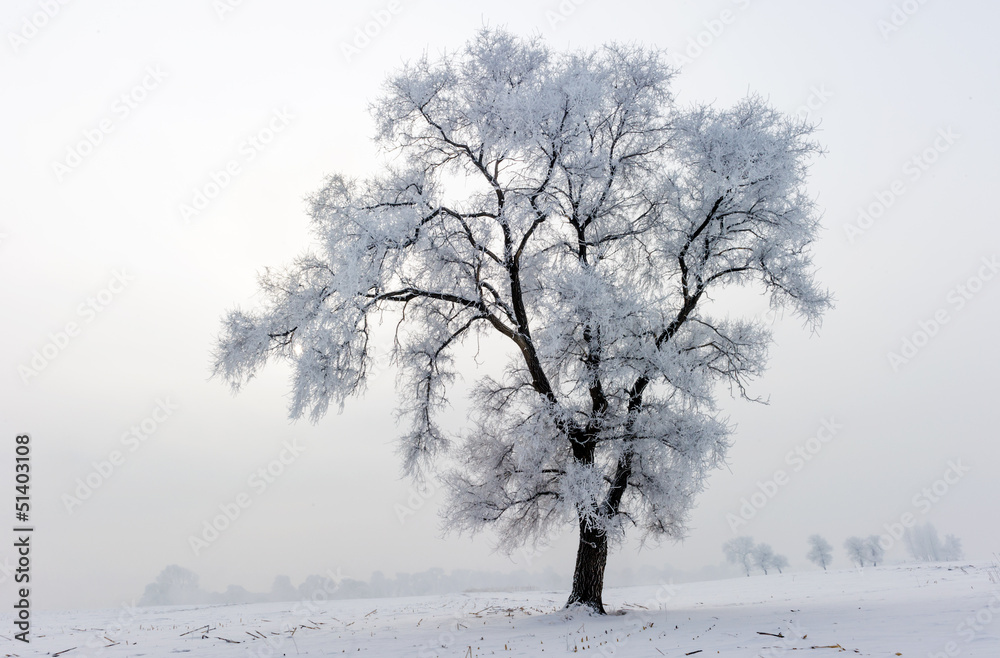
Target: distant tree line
921	541
864	552
743	552
176	585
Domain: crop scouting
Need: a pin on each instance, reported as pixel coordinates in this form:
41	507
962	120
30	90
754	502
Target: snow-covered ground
910	610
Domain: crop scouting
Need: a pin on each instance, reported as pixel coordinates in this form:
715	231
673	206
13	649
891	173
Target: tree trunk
588	578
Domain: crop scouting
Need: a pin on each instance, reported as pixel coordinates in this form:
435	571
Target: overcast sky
118	114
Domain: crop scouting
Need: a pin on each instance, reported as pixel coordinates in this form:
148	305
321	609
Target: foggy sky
264	101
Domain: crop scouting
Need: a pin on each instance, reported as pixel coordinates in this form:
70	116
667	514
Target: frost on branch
560	208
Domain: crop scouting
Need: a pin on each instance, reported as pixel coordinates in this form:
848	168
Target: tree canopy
565	205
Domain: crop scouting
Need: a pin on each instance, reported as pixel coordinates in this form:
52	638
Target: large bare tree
564	205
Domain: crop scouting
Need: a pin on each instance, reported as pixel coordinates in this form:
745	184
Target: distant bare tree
952	549
874	550
924	545
857	550
763	557
174	585
820	552
739	550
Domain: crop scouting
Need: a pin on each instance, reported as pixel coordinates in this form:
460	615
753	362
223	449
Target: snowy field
926	610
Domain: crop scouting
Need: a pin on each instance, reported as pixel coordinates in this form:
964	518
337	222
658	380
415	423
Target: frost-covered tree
820	552
923	543
873	550
763	557
173	586
561	209
779	562
283	590
952	549
857	550
740	551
